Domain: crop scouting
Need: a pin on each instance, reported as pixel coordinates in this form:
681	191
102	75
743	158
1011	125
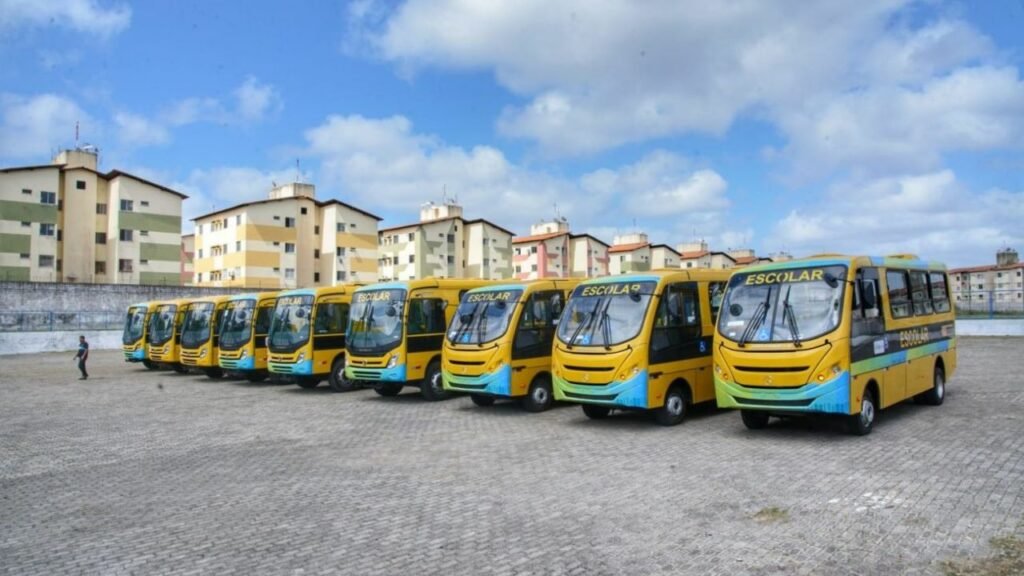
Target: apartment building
553	251
999	287
289	240
188	253
629	253
444	244
68	222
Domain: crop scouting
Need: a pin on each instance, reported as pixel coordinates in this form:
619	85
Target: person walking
82	356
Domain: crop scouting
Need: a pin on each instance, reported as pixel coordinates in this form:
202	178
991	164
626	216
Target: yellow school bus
200	335
639	341
499	345
306	341
163	345
134	335
834	334
396	332
243	334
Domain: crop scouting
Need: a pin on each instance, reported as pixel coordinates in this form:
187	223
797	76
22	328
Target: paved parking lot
139	472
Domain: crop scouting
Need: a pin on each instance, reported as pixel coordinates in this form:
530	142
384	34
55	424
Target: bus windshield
161	326
605	314
376	321
196	329
134	325
782	306
483	316
290	327
237	326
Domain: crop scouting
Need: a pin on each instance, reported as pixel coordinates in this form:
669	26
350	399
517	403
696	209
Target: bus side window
536	329
426	316
263	317
899	296
940	295
716	291
867	317
919	293
331	318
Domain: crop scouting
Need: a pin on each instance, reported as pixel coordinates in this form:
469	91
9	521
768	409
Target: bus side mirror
391	312
466	318
301	313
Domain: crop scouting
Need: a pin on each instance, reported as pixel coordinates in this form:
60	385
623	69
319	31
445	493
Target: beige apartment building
188	254
630	253
443	244
552	251
68	222
991	288
289	240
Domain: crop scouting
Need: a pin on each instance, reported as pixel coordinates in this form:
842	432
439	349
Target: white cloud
223	186
931	214
135	130
82	15
256	100
36	126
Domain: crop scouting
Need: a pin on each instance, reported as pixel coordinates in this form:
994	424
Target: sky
878	126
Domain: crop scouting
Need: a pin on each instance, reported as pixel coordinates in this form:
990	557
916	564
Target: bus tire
539	398
673	411
179	368
481	400
388	390
214	373
150	365
337	380
596	412
937	394
861	424
256	376
754	419
432	387
307	382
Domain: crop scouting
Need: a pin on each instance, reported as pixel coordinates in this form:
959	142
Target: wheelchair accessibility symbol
703	346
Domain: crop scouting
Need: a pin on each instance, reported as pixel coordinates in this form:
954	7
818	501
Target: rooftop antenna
298	172
76	134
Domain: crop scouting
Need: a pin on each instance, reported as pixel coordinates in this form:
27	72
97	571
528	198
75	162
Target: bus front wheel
595	412
861	424
337	380
256	376
432	387
179	368
308	382
754	419
388	390
937	394
539	398
481	400
214	373
150	365
673	411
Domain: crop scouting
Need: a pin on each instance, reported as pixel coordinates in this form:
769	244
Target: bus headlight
392	361
202	353
245	352
721	373
834	370
302	357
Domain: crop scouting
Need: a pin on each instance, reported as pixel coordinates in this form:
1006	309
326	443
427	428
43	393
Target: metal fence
54	321
990	304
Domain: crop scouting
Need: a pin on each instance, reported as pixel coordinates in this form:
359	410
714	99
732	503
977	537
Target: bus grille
366	374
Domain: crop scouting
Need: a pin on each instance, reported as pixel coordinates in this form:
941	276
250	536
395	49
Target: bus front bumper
497	383
136	355
243	363
304	368
629	393
394	374
830	397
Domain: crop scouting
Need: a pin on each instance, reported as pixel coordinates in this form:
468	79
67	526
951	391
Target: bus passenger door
260	329
676	342
424	334
897	302
329	321
535	334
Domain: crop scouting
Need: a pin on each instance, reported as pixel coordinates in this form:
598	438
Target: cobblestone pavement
140	472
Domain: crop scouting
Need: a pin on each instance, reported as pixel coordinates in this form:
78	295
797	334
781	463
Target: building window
199	229
340	276
353	224
101	267
277	217
412	258
277	270
199	276
533	268
143	261
127	205
26	191
238	246
124	265
101	237
451	259
519	269
60	264
302	210
126	235
289	222
533	249
60	205
24	256
289	248
316	276
277	243
144	202
316	253
341	226
143	232
412	236
26	224
47	197
340	251
45	261
289	273
200	252
238	220
46	229
80	184
60	235
316	229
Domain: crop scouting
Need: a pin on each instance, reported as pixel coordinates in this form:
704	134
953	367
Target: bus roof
665	274
320	291
451	283
895	261
530	285
210	299
254	296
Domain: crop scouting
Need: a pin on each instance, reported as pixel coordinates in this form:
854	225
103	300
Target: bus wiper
760	313
582	325
481	325
790	316
606	326
464	326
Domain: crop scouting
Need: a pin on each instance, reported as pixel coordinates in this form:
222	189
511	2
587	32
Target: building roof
627	247
320	203
108	176
591	236
445	219
989	268
538	237
745	259
666	247
694	254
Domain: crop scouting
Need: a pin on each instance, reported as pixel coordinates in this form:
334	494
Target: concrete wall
994	327
35	342
58	297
